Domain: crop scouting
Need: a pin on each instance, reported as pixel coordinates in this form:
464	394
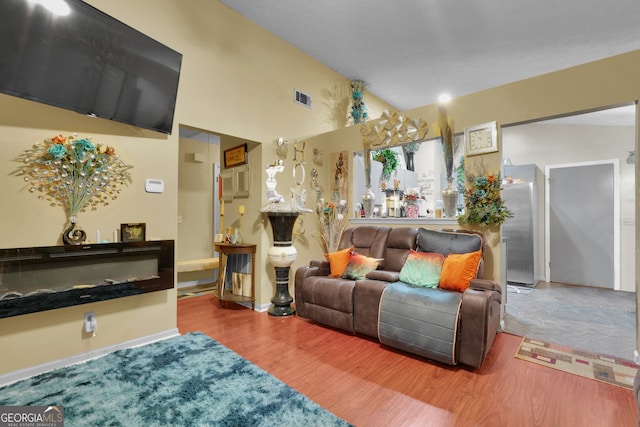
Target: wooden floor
370	385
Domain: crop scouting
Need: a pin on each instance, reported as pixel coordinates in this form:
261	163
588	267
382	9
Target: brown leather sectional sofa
353	305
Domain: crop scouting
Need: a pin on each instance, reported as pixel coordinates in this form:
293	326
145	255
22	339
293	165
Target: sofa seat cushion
329	292
422	321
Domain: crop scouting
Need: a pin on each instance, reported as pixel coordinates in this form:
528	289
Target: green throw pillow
422	269
359	265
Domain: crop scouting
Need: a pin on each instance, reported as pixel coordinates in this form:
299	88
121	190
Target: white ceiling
411	51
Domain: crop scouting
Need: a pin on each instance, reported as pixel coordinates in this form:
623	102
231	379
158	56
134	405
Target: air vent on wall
302	98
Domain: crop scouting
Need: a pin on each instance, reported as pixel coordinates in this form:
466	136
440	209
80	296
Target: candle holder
241	212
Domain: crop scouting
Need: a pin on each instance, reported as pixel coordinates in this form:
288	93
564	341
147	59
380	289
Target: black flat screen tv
88	62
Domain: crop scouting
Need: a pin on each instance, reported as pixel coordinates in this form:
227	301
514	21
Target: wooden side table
224	250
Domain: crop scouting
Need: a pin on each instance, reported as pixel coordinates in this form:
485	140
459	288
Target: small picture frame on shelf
135	232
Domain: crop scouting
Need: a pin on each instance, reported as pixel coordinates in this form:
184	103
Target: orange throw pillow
338	261
458	270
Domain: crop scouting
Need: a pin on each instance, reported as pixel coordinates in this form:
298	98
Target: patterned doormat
611	370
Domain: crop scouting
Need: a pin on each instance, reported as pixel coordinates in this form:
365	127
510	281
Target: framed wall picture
133	232
235	156
481	139
340	174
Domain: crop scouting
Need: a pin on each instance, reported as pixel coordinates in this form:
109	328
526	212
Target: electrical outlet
90	323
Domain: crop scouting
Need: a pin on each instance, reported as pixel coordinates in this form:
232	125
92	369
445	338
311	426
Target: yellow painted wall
237	79
604	83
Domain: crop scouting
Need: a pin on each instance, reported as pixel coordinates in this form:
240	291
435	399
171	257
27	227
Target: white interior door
583	224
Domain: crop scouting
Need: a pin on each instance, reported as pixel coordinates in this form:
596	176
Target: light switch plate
154	185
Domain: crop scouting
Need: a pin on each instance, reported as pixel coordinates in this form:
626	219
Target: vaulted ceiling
411	51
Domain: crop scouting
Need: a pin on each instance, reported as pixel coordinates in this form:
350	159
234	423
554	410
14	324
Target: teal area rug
190	380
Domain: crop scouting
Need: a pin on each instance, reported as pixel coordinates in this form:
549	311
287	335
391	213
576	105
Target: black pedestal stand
282	255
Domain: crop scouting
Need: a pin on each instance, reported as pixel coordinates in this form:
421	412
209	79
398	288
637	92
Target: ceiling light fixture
57	7
444	98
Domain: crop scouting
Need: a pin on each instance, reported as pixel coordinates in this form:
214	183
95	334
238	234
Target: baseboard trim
22	374
198	282
258	307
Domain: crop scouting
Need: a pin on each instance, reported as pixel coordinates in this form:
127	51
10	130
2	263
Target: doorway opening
198	207
597	140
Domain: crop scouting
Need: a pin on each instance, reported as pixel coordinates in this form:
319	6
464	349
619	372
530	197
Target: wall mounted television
87	61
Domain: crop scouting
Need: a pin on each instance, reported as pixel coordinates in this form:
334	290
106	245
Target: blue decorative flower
481	180
57	151
84	145
358	107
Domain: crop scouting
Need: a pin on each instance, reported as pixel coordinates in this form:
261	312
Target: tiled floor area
597	320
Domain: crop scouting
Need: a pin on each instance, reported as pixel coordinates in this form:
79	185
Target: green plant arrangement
483	204
389	160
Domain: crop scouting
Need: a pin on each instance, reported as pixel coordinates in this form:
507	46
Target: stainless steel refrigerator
521	231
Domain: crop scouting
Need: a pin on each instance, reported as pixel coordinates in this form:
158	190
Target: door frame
616	216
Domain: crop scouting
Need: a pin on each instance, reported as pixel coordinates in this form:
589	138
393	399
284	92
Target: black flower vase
73	235
409	157
282	254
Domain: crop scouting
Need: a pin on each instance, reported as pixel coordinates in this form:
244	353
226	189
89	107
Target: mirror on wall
420	168
227	186
242	179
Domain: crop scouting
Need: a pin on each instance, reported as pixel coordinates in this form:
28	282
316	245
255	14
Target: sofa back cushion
366	240
448	242
400	241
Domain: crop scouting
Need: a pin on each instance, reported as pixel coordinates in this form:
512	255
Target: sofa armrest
300	276
485	285
384	275
308	270
479	323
